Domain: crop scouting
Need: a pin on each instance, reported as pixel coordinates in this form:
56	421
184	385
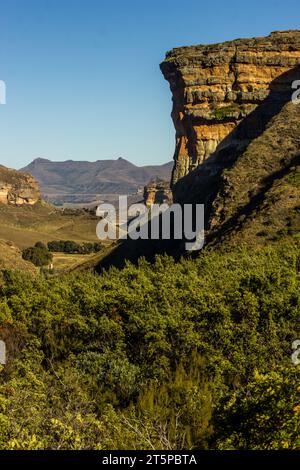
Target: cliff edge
215	87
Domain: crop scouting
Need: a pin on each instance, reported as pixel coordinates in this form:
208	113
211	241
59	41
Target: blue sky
83	79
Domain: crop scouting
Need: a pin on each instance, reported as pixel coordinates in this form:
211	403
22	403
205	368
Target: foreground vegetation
195	354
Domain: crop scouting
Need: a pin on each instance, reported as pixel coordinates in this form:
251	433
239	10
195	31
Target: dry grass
64	261
11	258
26	225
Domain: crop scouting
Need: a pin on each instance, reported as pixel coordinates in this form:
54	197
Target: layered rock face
215	87
18	188
157	192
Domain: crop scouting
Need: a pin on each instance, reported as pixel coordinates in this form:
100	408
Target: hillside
28	224
81	181
26	219
258	201
251	198
24	226
11	258
238	144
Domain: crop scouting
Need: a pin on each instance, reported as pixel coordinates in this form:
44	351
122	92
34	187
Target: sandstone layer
18	188
215	87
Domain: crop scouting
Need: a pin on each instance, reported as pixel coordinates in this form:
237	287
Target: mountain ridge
80	180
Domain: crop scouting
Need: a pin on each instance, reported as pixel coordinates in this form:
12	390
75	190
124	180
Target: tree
37	255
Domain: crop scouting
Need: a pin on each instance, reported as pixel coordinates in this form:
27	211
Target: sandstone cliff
215	87
17	188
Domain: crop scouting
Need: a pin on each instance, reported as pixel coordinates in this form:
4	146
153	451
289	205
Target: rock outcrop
215	87
157	191
18	188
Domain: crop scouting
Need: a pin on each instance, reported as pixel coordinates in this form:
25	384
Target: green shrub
38	255
193	354
69	246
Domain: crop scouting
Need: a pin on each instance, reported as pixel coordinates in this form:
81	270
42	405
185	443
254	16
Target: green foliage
224	111
194	354
38	255
181	406
69	246
267	407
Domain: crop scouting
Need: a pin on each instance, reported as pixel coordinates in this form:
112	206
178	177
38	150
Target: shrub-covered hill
195	354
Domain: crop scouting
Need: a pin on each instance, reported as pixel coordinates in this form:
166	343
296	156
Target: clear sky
83	79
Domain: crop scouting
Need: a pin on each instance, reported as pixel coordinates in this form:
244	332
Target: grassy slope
258	202
11	258
26	225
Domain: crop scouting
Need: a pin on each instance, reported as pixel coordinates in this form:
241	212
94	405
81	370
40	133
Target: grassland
11	258
69	262
24	226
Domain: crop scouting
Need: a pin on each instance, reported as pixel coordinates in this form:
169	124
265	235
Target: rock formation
17	188
157	191
215	87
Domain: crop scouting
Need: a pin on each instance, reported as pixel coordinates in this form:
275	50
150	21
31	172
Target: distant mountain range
82	181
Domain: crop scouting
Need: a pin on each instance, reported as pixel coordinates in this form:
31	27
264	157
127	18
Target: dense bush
195	354
39	255
69	246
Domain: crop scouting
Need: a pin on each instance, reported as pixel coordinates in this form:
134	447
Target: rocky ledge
215	87
18	188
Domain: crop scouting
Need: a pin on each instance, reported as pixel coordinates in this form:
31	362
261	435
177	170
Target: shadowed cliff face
18	188
215	87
